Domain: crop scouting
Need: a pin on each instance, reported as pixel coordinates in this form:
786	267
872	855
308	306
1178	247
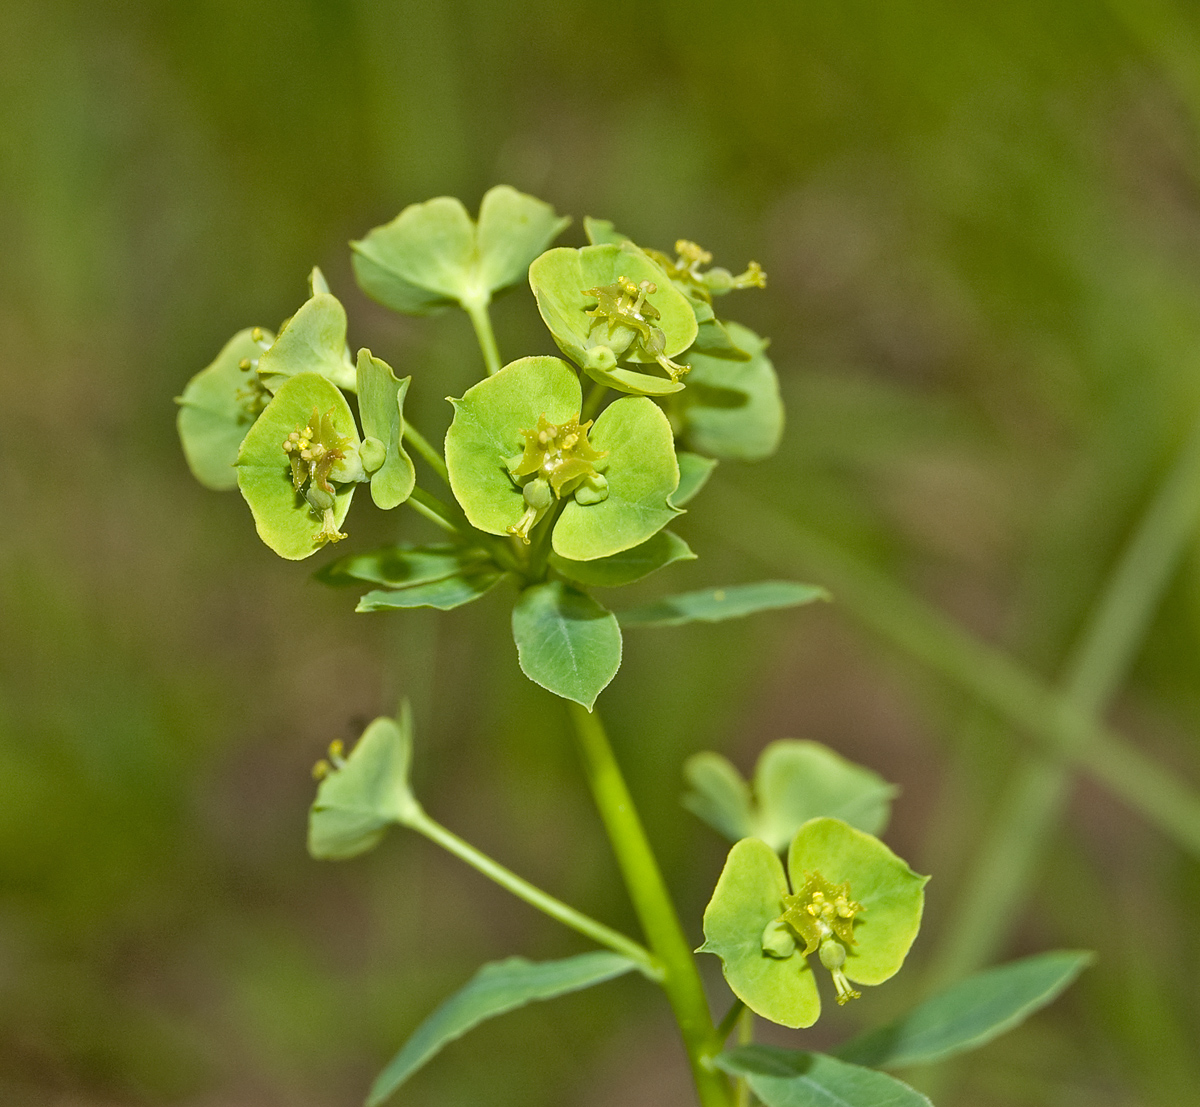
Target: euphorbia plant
555	492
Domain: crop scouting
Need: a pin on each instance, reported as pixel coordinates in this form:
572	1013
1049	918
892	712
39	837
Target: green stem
1095	671
653	905
595	398
482	322
733	1017
990	675
434	510
535	897
745	1029
422	446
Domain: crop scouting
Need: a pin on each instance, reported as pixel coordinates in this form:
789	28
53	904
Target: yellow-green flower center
313	450
625	304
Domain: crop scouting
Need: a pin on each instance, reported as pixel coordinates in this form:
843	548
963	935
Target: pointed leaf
694	472
403	566
445	594
642	473
381	410
601	232
713	605
719	796
969	1014
312	341
217	408
357	802
566	641
495	989
792	1078
628	566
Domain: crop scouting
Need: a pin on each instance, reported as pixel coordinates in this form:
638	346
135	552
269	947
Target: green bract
296	501
850	900
218	407
732	409
516	448
609	303
432	255
381	409
311	341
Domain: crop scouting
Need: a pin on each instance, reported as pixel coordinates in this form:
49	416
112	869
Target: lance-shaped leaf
361	797
566	641
694	472
969	1014
794	781
445	594
218	407
562	280
850	900
495	989
641	472
732	409
793	1078
714	605
311	341
381	409
403	566
282	515
628	566
432	255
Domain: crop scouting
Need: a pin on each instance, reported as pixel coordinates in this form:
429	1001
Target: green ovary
822	917
557	461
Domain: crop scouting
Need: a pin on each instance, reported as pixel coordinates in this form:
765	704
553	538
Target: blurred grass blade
970	1014
793	1078
714	605
495	989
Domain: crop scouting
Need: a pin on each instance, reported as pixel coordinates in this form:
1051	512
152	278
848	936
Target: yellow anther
321	769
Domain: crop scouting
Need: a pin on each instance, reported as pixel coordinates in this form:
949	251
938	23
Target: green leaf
282	516
431	255
694	472
560	279
311	341
792	1078
381	410
719	796
566	641
513	230
628	566
794	781
495	989
601	232
445	594
969	1014
403	566
486	433
642	473
359	800
749	896
421	260
713	338
713	605
217	408
891	894
733	409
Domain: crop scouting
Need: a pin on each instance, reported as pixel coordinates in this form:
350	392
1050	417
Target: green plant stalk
653	905
1093	675
433	509
650	965
421	444
987	673
482	322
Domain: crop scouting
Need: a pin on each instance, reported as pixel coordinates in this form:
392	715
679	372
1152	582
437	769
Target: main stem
653	905
482	322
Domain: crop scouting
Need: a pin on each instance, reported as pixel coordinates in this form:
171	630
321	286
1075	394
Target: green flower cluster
553	491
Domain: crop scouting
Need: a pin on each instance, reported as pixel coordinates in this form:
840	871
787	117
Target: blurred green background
982	229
